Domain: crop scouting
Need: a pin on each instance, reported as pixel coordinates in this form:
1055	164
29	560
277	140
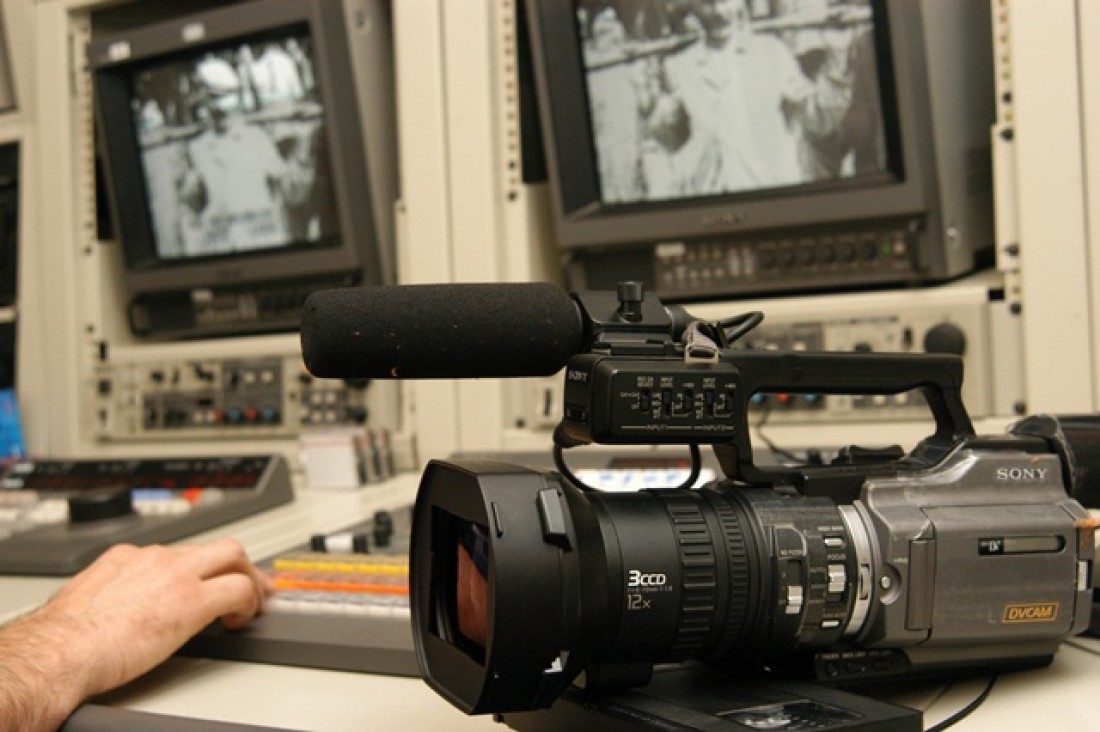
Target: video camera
968	553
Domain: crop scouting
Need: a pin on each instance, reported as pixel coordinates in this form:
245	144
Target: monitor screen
690	100
249	155
716	148
231	143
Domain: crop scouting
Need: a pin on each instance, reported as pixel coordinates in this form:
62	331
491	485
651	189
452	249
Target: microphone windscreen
440	331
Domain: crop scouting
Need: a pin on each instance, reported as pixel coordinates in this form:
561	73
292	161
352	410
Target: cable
1082	647
559	463
776	450
741	324
967	710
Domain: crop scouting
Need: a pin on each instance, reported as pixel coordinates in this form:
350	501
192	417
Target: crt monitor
243	148
714	148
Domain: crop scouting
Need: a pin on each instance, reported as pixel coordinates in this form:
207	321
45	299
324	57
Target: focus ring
739	591
699	581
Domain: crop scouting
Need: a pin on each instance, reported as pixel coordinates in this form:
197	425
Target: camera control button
553	518
864	582
794	600
838	578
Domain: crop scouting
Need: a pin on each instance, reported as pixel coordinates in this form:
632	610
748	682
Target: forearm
115	620
42	677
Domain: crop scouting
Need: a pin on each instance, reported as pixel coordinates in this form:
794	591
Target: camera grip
938	377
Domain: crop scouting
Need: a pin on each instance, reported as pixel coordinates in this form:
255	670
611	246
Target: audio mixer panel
183	398
57	516
341	602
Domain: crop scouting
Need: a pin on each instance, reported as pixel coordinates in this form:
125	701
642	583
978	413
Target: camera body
968	552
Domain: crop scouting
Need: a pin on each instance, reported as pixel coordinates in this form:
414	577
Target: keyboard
57	516
344	608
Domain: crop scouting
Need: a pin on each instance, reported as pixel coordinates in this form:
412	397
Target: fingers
235	598
233	585
214	558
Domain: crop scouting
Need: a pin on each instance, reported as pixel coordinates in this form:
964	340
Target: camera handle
937	376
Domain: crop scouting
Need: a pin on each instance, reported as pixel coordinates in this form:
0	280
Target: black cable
742	325
559	463
1083	647
696	467
776	450
967	710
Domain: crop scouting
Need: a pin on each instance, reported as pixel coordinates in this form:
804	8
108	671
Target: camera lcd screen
708	99
231	140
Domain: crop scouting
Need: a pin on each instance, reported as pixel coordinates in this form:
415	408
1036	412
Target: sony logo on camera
1018	475
576	375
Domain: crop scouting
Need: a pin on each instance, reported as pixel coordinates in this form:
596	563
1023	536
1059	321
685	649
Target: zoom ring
699	587
739	589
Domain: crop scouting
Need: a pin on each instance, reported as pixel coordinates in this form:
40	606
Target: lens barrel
612	583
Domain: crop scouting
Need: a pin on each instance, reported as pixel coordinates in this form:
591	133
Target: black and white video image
232	145
692	98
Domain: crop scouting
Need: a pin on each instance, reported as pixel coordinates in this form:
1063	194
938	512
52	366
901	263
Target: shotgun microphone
442	331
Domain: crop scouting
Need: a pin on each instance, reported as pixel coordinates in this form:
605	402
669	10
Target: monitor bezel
358	251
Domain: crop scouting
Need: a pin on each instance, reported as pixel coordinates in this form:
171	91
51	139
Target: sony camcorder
970	551
967	553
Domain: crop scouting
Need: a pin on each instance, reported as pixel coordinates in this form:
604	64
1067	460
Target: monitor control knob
945	338
383	528
99	504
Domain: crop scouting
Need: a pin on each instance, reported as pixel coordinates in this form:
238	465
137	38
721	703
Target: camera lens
472	584
520	581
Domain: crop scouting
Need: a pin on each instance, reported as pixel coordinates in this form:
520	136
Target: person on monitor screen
730	111
834	45
230	187
615	125
282	81
126	613
276	75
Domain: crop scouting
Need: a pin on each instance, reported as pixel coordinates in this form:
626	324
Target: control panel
609	400
57	516
684	270
170	393
342	603
224	310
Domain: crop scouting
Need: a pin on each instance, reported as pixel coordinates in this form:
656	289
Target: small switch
552	516
794	600
838	578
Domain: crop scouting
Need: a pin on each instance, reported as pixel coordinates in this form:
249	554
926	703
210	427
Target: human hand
123	615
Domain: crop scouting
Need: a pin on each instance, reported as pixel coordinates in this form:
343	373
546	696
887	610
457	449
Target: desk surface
312	699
